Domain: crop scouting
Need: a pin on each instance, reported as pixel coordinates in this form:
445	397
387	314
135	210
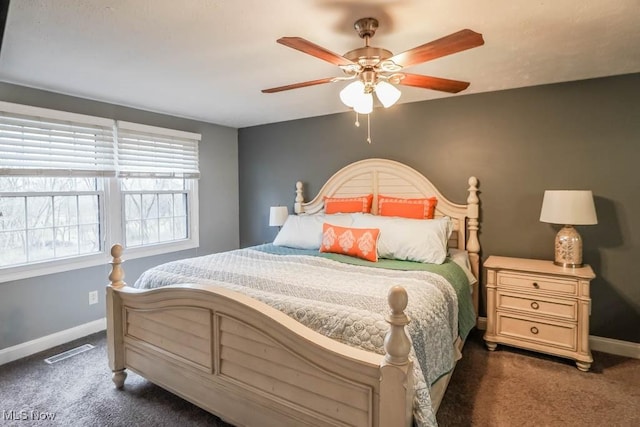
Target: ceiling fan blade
456	42
313	49
434	83
298	85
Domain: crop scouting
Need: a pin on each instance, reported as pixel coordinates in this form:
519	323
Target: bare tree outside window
156	210
46	218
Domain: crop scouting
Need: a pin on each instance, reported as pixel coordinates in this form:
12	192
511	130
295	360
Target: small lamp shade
278	215
351	92
568	207
363	103
387	93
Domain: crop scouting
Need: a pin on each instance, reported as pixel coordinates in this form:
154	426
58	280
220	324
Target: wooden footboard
251	364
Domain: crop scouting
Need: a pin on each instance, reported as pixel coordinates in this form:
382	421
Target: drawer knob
535	305
535	285
534	330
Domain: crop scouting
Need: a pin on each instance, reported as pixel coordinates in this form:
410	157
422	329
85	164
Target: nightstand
536	305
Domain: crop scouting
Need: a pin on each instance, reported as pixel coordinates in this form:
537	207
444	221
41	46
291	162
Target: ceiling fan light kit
350	92
377	70
355	96
387	93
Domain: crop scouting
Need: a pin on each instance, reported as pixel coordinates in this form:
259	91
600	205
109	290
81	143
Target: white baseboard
617	347
605	345
32	347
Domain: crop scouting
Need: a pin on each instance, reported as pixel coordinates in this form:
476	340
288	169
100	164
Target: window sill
9	274
159	249
63	265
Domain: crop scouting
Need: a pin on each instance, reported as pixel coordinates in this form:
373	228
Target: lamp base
567	265
568	248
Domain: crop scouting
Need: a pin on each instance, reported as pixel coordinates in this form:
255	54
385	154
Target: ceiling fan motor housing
368	56
366	27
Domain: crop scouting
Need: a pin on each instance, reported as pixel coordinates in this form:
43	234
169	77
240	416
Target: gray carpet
512	387
508	387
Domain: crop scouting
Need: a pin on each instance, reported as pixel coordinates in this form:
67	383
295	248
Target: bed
222	341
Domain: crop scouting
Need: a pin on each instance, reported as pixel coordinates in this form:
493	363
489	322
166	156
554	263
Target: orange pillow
407	208
357	242
334	205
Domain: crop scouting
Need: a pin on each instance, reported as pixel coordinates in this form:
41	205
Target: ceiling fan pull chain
357	121
369	128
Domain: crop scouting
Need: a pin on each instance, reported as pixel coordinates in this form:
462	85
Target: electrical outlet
93	297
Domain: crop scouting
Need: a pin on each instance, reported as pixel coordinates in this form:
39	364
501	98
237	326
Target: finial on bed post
473	244
396	343
117	272
299	199
473	203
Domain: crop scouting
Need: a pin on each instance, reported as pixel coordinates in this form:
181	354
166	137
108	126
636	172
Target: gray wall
577	135
40	306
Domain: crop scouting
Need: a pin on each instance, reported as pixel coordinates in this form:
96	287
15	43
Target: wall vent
69	353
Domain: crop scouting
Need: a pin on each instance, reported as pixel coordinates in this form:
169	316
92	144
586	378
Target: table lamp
568	207
278	215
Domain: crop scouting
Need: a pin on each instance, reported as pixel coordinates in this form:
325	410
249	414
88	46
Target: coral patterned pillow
357	242
334	205
407	208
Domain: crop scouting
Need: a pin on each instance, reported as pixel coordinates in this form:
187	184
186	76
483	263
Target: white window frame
58	265
137	165
116	215
111	218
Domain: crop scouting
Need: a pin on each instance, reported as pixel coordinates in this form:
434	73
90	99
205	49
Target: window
155	210
73	185
48	218
158	170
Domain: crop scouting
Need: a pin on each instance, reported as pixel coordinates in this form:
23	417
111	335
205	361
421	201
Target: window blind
38	141
149	151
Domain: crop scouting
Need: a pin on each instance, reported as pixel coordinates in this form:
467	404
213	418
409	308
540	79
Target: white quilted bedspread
344	302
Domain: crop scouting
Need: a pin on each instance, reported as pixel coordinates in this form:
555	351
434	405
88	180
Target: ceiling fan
378	70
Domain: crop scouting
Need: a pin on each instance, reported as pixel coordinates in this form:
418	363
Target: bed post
473	244
297	207
115	331
396	371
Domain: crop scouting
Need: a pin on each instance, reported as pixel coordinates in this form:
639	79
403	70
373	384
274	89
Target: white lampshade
278	215
364	104
569	207
351	92
387	93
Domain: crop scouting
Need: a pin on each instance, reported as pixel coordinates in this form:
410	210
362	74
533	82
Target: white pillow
421	240
305	231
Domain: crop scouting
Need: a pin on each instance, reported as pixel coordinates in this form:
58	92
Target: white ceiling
209	59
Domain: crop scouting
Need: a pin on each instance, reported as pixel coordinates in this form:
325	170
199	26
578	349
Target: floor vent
69	353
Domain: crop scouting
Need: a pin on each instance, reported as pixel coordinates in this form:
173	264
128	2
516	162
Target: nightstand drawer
562	309
535	283
556	334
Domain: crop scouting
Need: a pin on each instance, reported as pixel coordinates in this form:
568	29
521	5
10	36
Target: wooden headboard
391	178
